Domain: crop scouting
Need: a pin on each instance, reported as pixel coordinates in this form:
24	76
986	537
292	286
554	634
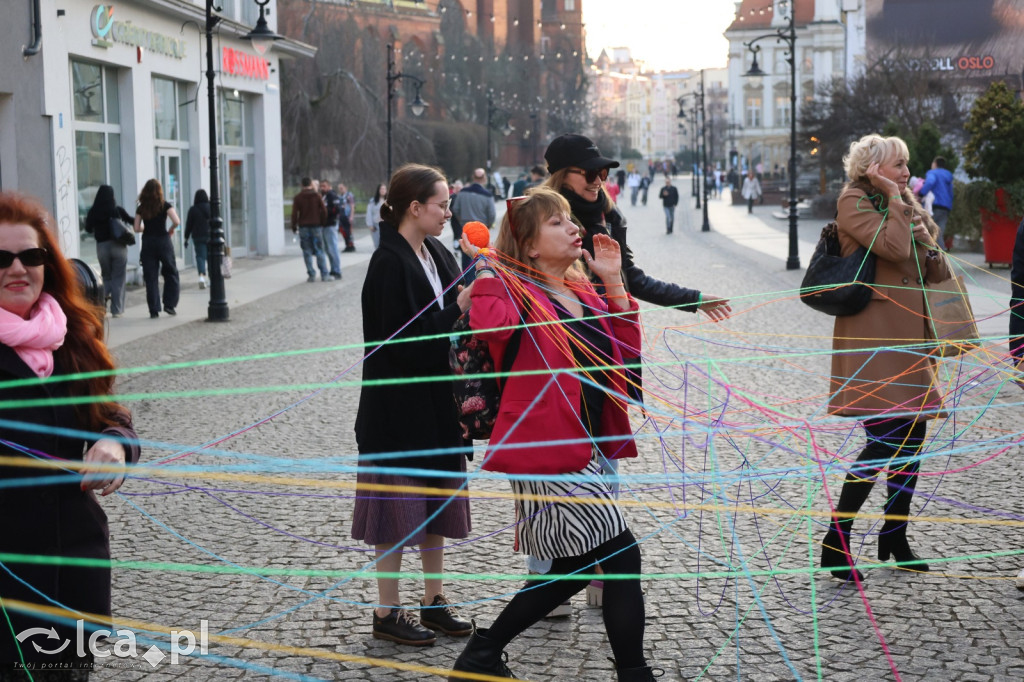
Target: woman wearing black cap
577	172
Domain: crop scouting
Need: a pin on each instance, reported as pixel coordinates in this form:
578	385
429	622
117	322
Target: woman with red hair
56	449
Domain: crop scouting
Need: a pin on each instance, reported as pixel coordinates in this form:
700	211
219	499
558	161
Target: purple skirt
384	517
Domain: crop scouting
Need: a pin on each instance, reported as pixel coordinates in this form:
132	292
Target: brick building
526	55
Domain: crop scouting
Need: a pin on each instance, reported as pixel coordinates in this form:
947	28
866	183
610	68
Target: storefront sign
966	63
238	63
106	31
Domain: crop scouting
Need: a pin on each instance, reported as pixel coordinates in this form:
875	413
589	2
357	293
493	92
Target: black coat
197	224
419	415
49	518
1017	296
638	283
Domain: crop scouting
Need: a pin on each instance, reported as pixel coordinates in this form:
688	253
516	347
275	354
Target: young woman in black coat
47	330
408	293
112	254
197	228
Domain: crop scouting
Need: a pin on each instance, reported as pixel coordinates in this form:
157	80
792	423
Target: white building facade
830	43
116	94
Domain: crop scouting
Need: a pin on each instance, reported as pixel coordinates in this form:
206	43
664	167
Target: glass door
236	206
170	175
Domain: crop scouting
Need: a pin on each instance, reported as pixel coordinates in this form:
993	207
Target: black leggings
623	609
888	438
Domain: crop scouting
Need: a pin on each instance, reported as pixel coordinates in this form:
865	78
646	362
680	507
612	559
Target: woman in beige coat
882	368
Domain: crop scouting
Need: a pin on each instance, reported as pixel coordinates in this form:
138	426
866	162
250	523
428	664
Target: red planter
998	232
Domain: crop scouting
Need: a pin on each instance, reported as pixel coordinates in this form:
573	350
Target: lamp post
506	129
693	154
533	135
417	107
788	36
261	37
705	226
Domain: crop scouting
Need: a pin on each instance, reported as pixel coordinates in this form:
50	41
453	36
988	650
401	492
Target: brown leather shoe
441	615
400	626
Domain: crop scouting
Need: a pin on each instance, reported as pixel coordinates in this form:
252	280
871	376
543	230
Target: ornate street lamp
506	129
417	107
787	36
262	37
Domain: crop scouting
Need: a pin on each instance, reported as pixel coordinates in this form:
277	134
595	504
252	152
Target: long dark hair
201	197
104	206
412	182
83	349
378	196
151	199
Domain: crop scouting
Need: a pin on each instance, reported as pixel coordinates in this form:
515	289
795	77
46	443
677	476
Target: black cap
575	150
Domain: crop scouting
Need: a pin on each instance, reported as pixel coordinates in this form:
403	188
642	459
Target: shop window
235	127
97	133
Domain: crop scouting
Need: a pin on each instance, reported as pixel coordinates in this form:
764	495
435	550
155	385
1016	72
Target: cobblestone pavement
716	613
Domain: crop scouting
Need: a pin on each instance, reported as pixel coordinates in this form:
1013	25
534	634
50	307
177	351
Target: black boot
482	655
642	674
856	489
892	541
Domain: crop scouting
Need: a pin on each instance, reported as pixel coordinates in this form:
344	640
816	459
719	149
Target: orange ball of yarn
477	233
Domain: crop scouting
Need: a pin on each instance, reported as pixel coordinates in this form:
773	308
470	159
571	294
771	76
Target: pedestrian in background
645	186
474	202
197	228
669	196
893	391
567	433
308	216
48	329
111	254
373	213
612	188
633	182
402	422
751	190
157	248
329	232
348	211
939	181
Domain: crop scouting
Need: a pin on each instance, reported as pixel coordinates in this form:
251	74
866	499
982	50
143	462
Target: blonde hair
872	149
521	225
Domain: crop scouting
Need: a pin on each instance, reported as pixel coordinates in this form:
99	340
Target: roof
757	14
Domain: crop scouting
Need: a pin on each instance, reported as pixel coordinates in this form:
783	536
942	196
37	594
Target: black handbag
835	285
121	233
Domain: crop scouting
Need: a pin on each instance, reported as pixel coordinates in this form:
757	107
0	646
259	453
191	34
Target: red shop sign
238	63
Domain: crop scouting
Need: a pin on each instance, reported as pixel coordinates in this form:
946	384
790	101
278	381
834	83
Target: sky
667	34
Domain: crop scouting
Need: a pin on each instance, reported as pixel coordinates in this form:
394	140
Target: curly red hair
83	349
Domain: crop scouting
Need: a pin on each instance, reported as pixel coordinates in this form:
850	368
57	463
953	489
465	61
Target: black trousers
158	260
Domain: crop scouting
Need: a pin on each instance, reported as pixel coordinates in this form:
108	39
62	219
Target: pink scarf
35	339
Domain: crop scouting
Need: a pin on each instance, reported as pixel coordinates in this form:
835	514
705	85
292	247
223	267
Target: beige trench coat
876	377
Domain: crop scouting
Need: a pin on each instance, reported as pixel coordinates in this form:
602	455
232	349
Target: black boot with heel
892	541
856	489
483	656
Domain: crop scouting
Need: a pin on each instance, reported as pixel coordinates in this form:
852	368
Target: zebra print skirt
552	528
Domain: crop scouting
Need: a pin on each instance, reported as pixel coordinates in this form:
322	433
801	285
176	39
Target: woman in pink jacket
561	420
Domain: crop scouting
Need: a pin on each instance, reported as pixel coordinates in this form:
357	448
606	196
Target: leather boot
855	491
642	674
482	655
892	541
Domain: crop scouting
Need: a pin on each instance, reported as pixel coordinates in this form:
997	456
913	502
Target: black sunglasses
30	258
591	175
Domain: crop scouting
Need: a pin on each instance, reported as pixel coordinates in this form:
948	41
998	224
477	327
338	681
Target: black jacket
640	284
197	224
410	416
49	518
99	225
1017	296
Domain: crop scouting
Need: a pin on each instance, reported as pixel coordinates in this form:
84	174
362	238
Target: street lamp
262	37
417	107
693	159
787	36
506	129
